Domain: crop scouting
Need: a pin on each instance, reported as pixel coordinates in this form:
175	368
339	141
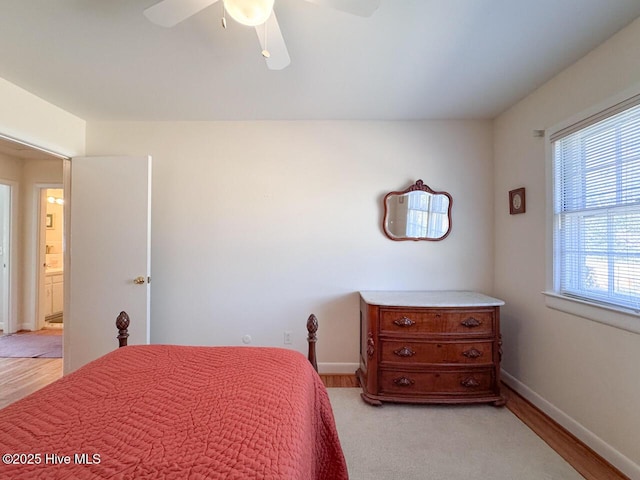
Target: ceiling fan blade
168	13
274	44
362	8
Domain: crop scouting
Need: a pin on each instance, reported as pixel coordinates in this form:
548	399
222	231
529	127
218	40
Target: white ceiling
413	59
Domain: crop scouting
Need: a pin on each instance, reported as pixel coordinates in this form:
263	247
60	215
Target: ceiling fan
255	13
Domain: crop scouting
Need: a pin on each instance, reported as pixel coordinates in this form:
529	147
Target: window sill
612	316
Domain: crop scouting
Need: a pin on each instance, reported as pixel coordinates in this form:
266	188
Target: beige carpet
416	442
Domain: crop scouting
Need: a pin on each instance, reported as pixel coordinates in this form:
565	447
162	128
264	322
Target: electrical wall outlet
287	337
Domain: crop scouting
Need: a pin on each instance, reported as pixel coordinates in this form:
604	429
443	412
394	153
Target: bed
178	412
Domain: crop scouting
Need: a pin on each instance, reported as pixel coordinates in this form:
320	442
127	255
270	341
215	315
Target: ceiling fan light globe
249	12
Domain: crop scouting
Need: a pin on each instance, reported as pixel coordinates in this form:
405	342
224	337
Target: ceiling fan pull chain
224	18
265	52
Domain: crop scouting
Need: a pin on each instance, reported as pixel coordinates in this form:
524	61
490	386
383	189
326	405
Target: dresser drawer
435	321
403	352
471	382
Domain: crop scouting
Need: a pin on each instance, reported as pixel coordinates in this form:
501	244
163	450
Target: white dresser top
431	298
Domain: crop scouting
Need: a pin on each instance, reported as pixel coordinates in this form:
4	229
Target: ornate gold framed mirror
417	213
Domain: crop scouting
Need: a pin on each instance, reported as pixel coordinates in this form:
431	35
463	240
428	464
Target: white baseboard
602	448
28	326
337	368
21	326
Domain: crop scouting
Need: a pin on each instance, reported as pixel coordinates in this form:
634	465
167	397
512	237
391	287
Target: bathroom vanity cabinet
54	293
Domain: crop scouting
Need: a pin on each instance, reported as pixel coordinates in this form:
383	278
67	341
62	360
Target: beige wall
584	373
28	118
257	224
10	168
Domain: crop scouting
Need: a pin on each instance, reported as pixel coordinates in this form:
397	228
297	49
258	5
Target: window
596	208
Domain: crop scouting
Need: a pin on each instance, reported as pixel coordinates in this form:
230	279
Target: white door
109	248
5	235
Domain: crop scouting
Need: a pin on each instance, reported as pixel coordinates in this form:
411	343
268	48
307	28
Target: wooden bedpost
122	322
312	328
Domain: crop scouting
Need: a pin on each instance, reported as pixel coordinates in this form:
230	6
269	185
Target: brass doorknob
139	280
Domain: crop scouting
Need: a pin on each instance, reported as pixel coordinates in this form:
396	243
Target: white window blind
597	209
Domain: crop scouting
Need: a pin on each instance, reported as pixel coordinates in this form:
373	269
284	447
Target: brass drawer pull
471	322
404	352
470	382
403	382
404	322
472	353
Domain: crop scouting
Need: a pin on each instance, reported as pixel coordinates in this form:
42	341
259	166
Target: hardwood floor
21	376
339	381
587	462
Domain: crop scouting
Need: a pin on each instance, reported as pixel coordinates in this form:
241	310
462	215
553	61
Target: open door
108	261
5	236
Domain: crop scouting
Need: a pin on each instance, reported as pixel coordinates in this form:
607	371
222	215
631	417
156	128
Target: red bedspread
177	412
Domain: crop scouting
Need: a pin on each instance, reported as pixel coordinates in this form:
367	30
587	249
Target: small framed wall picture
517	201
49	221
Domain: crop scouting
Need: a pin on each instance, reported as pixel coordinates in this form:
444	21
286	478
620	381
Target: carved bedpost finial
122	322
312	328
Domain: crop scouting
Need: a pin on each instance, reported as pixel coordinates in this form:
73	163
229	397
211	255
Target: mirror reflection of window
417	213
427	215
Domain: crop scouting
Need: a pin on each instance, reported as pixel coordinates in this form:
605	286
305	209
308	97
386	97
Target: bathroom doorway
51	244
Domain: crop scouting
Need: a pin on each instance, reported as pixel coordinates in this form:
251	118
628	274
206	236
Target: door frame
66	259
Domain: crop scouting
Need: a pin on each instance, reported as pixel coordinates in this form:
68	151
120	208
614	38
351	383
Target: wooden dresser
430	347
